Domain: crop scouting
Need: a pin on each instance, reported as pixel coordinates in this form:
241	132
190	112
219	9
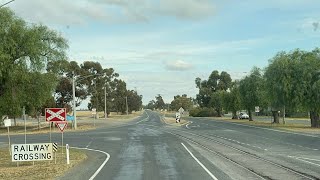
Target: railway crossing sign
56	114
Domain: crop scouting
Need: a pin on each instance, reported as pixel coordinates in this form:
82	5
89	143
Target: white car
243	116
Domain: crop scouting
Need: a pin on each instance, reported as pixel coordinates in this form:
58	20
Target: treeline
178	101
35	74
289	84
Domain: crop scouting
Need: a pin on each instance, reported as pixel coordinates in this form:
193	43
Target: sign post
178	116
94	113
7	123
257	110
55	114
61	125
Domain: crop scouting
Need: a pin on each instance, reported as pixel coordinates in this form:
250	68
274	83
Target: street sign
61	125
70	118
7	122
31	152
56	114
94	111
257	109
181	110
54	147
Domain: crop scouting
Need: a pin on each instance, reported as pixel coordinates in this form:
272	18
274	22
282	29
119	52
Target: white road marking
197	160
89	144
102	165
187	125
274	130
305	160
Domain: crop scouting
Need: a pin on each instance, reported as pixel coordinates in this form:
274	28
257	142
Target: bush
203	112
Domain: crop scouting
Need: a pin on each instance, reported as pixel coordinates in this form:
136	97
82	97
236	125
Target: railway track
259	166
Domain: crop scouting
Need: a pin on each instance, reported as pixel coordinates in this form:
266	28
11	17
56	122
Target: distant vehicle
243	115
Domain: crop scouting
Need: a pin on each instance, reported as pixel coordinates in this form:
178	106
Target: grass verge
39	169
288	127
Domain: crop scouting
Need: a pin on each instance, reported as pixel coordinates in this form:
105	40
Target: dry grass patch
40	169
44	128
112	115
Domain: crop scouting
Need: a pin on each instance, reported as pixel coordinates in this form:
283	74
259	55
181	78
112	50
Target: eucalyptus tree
250	91
25	51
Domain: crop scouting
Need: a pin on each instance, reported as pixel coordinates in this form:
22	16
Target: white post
67	151
74	101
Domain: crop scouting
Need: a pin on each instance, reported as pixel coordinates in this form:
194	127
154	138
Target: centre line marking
197	160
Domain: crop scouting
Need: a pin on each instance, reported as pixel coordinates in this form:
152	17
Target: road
147	148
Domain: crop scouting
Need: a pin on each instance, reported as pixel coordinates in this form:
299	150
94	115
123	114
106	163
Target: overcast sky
161	46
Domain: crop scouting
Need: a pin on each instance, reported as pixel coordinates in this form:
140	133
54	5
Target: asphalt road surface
147	148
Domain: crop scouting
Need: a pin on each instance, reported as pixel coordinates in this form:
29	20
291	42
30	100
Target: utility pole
74	100
127	104
105	102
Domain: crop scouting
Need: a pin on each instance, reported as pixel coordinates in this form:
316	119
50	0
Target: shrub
203	112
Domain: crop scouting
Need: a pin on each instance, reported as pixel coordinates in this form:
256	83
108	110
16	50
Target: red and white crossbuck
56	114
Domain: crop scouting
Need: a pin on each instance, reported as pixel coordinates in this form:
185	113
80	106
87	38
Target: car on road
243	115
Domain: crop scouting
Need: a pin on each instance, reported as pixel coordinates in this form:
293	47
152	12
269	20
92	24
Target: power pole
105	103
127	104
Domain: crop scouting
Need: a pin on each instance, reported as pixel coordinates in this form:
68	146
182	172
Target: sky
161	46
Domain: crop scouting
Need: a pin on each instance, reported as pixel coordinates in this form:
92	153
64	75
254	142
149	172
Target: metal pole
62	142
127	104
25	125
284	114
105	102
9	140
74	101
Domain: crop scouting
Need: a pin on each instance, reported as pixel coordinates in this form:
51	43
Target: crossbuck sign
56	114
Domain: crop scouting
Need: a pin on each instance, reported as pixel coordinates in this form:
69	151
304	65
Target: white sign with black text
31	152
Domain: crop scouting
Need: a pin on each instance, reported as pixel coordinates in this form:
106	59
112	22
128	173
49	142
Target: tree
308	84
134	101
250	90
279	77
181	101
159	102
151	105
231	100
119	94
25	51
216	101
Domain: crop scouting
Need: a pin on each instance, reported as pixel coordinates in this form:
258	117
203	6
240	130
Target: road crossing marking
197	160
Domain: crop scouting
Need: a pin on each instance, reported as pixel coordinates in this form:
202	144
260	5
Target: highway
148	148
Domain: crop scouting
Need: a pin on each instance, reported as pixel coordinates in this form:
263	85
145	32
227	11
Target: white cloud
68	12
178	65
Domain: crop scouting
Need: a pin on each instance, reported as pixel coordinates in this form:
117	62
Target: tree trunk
315	119
234	115
15	121
250	115
276	118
